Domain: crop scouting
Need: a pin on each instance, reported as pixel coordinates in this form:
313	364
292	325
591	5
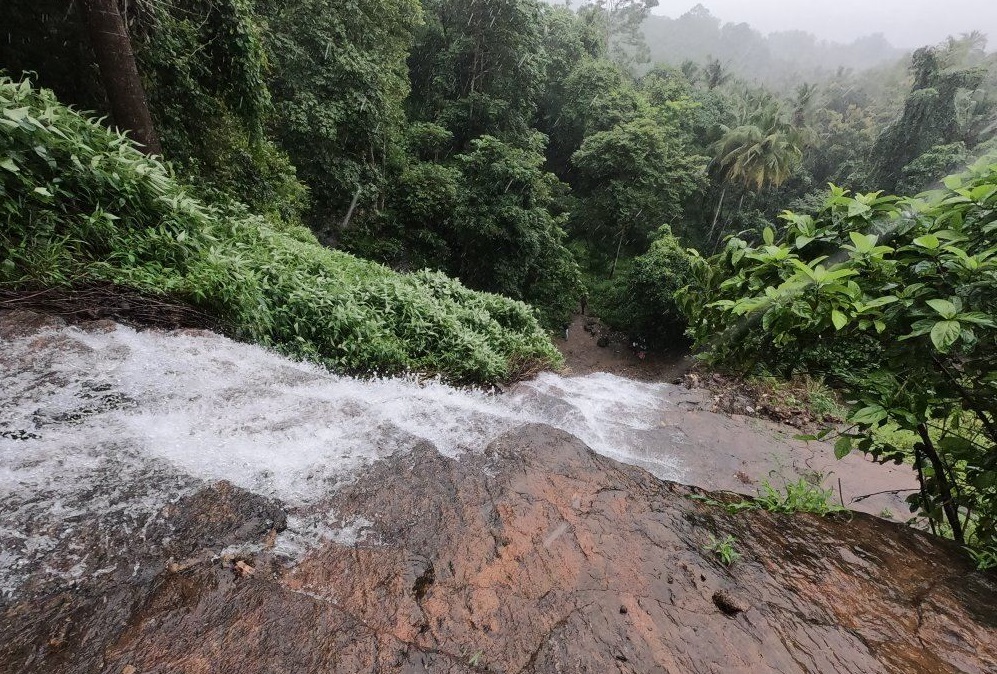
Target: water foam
126	422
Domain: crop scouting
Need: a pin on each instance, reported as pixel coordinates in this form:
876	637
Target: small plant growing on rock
798	497
985	558
802	496
724	549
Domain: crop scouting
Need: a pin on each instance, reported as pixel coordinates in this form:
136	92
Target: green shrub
905	289
724	549
802	496
641	300
78	204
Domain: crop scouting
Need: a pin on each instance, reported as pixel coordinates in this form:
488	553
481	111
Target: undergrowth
802	496
804	402
724	549
79	204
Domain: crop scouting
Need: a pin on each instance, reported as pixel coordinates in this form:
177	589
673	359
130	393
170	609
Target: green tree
505	239
204	65
715	75
757	157
338	80
917	280
595	96
642	300
763	151
620	22
632	178
478	68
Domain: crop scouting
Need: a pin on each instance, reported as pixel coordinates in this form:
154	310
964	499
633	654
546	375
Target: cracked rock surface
535	556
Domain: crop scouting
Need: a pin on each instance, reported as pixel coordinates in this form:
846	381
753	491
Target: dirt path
583	354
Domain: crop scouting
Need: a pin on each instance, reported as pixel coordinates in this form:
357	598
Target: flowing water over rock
122	423
183	503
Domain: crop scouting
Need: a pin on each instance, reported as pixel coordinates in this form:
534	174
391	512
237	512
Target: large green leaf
843	447
869	415
856	208
945	334
863	242
945	309
978	318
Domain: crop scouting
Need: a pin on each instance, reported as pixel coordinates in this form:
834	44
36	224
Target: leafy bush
641	300
78	203
916	277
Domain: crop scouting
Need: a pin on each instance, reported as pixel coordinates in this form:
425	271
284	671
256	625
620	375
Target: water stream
113	556
116	425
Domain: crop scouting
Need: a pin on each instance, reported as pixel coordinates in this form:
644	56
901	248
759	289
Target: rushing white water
124	422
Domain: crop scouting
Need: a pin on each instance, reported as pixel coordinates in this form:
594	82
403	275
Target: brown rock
729	603
99	326
537	556
21	322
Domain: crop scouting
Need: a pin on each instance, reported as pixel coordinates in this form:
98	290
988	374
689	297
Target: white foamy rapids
129	421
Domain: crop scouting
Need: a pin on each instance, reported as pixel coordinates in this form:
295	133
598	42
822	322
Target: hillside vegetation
78	203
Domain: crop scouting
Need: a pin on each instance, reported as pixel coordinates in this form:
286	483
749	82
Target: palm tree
760	153
968	49
691	70
757	157
715	75
803	104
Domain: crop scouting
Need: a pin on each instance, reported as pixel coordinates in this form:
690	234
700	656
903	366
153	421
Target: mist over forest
787	53
779	58
907	24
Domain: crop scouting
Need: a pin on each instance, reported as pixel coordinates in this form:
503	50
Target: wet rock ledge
538	556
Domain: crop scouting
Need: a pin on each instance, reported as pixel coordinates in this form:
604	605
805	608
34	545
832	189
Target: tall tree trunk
119	72
623	231
727	221
612	271
716	215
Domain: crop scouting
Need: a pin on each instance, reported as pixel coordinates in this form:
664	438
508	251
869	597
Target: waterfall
118	424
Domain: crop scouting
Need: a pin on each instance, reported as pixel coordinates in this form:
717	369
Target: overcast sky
906	23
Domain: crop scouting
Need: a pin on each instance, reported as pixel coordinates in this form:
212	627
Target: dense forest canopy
541	153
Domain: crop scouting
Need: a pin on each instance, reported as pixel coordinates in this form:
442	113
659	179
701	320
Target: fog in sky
906	23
